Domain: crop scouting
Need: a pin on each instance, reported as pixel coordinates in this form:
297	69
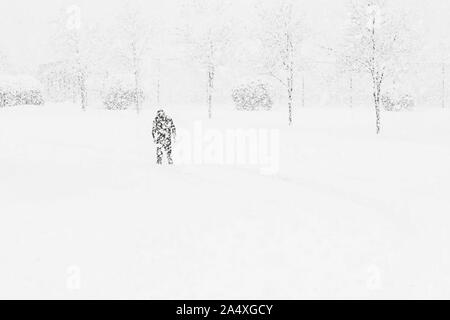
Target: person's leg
168	150
159	155
169	154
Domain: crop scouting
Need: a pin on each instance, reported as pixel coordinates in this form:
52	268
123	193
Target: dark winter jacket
163	130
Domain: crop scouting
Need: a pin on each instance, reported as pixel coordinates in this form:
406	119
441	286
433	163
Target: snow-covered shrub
119	98
404	103
252	96
29	97
19	90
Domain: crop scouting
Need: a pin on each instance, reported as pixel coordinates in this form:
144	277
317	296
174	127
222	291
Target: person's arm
174	130
154	130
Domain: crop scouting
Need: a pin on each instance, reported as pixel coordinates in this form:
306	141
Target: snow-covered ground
85	212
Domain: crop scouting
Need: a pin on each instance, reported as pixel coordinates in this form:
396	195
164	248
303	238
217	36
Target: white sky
26	28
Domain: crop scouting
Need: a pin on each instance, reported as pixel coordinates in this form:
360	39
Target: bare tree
207	34
133	45
282	37
160	53
443	57
376	44
347	69
73	43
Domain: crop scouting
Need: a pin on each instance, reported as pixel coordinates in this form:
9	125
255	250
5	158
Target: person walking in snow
164	133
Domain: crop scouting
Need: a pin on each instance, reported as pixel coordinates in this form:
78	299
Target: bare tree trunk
158	92
136	90
290	75
376	79
376	96
83	89
81	75
210	89
378	116
135	61
290	105
158	84
290	87
84	95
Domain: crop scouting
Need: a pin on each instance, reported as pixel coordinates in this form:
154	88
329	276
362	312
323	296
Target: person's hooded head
160	114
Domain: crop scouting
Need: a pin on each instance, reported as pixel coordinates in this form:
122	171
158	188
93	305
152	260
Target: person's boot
169	158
